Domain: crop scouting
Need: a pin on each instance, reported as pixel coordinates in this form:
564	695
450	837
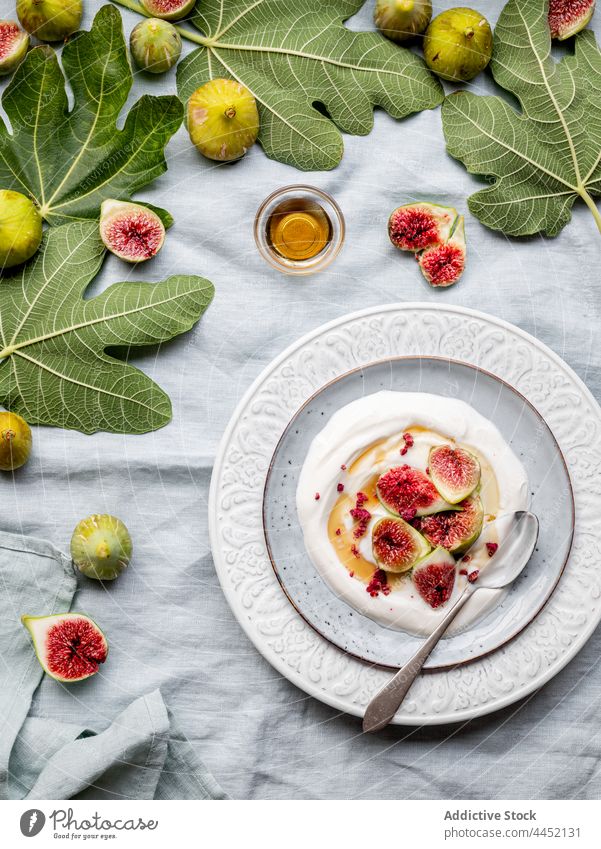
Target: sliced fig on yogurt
454	472
434	577
455	531
397	546
408	492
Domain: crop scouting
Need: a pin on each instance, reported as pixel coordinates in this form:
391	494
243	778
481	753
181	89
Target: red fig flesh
168	10
397	546
434	577
69	646
416	226
455	531
454	472
443	264
567	17
13	46
408	492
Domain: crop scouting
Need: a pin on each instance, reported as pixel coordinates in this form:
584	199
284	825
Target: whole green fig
155	45
20	228
50	20
458	44
101	547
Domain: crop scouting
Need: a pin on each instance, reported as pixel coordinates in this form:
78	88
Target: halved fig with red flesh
408	492
416	226
567	17
168	10
131	231
69	646
455	531
434	577
454	472
13	46
396	546
443	264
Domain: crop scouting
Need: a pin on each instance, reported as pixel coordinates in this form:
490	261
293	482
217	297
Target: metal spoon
520	532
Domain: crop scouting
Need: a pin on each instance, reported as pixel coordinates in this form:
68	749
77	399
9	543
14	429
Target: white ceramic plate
236	527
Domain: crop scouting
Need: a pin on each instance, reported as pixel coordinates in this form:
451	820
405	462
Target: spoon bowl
519	534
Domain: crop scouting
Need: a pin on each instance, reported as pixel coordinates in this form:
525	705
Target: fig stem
592	206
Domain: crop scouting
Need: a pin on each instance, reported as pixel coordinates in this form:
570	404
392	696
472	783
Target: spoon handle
386	702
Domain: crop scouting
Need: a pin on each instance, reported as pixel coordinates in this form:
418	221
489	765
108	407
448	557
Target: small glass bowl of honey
299	230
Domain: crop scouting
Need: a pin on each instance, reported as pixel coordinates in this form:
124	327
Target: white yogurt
346	436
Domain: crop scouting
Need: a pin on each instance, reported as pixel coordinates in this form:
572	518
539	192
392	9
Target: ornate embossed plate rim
518	630
346	703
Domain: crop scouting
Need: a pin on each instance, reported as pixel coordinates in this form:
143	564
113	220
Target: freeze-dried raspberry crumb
473	576
491	548
340	487
377	584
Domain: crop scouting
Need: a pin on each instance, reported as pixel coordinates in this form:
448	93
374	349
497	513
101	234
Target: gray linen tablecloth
167	620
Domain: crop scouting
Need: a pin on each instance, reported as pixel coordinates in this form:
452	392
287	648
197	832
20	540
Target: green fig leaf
542	159
54	365
293	56
70	160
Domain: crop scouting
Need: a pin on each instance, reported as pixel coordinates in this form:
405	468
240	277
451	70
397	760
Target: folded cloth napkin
141	755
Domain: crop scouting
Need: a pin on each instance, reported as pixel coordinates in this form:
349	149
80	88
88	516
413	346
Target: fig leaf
54	365
70	160
540	160
300	61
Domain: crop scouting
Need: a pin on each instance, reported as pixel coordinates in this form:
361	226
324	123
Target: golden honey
298	229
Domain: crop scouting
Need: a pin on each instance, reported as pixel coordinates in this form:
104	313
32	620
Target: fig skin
223	120
15	43
20	228
155	45
568	17
168	10
50	20
401	20
15	441
101	547
131	231
458	44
